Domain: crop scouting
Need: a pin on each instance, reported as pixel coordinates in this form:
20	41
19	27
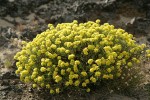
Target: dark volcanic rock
6	33
32	30
2	88
3	40
19	8
65	11
143	4
30	17
148	10
7	74
139	26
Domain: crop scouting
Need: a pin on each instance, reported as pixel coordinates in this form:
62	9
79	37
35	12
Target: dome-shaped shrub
77	55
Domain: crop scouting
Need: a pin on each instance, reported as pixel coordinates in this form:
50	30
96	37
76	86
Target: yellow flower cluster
77	54
148	53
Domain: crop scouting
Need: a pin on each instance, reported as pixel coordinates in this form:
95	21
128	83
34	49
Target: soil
23	19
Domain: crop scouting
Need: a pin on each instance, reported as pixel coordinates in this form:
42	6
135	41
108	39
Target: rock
19	8
139	26
148	39
7	33
4	88
148	10
67	11
2	40
10	33
7	74
30	90
33	29
31	18
3	95
120	97
143	5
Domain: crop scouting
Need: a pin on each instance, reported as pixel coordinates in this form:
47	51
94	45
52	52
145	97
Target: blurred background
22	20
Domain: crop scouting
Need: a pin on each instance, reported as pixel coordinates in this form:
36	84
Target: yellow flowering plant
77	55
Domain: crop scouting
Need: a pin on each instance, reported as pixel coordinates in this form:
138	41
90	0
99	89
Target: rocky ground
24	19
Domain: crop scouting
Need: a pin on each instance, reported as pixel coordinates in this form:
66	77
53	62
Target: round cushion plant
77	55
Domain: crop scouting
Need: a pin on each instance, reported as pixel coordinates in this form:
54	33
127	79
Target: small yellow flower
34	85
40	78
137	61
52	91
143	46
88	90
71	56
20	68
77	62
75	68
93	79
53	46
25	72
67	51
148	55
42	69
58	78
119	57
98	21
103	61
114	54
72	62
96	50
132	50
84	84
85	51
57	90
42	85
91	47
47	86
83	73
49	63
129	64
17	72
59	57
68	44
118	63
90	61
108	62
92	70
107	49
66	64
110	57
108	70
62	64
67	84
70	82
68	69
123	61
111	76
105	76
117	47
62	72
97	74
98	62
76	83
57	42
76	76
75	21
148	51
26	80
